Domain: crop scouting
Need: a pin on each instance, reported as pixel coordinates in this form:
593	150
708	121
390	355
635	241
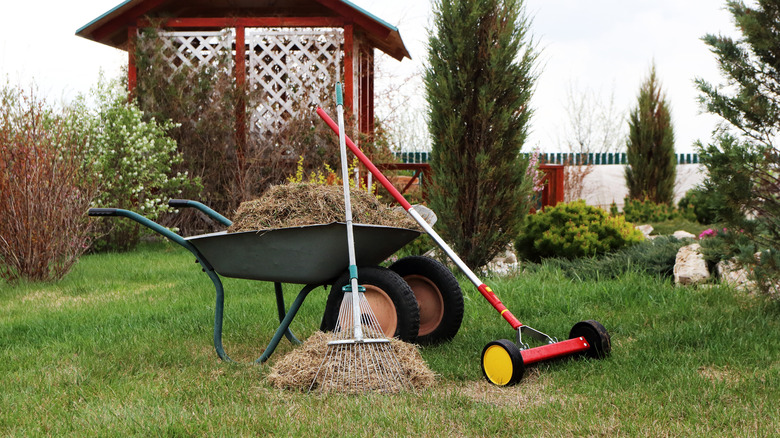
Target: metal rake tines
345	325
359	365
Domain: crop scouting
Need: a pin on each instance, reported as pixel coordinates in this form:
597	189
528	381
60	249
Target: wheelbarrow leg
280	308
218	310
207	268
285	324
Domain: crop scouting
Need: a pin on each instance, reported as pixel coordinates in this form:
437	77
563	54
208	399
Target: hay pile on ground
296	370
295	205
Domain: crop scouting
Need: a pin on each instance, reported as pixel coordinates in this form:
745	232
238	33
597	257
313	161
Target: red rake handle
483	289
366	162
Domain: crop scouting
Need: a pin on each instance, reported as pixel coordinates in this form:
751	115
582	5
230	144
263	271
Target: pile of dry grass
295	205
297	369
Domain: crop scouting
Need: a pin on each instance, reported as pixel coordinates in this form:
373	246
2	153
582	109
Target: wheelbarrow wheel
596	335
438	295
502	363
390	298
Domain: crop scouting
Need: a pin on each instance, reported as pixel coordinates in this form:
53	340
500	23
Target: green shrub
646	211
654	257
700	206
574	229
719	244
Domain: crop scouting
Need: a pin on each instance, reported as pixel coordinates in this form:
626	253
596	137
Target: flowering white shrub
133	159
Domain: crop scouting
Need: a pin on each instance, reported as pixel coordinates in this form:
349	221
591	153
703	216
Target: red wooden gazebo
268	36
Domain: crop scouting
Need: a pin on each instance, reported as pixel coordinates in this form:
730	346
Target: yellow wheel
502	363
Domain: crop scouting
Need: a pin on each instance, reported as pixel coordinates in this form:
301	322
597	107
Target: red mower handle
366	162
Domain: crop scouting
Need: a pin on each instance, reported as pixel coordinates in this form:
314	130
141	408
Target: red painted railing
552	193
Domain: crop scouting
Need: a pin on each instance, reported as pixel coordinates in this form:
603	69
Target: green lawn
123	346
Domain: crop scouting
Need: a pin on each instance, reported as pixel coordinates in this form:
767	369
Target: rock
731	273
682	234
740	278
690	266
645	229
503	264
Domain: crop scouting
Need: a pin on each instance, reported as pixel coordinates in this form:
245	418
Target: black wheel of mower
596	335
502	363
438	295
390	298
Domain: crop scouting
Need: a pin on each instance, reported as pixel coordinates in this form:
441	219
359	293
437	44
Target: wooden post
553	191
366	90
132	72
349	75
240	73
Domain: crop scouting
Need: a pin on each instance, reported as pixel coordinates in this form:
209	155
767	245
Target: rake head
361	358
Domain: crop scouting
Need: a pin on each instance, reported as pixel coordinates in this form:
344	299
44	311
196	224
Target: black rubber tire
596	335
378	280
438	295
505	365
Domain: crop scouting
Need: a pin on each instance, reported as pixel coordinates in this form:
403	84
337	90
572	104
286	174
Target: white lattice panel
295	68
196	48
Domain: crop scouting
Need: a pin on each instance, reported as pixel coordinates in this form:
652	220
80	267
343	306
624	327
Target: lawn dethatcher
503	362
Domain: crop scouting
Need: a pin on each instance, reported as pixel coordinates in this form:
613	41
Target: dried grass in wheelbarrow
300	204
296	370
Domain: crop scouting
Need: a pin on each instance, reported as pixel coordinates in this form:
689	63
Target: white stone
682	234
503	264
690	266
731	273
645	229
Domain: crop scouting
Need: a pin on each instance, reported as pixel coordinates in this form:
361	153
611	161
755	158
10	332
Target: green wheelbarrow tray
313	255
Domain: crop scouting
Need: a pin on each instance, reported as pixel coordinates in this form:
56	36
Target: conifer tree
743	160
479	81
651	169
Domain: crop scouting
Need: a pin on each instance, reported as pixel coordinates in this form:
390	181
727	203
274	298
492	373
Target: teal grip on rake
353	273
339	94
348	288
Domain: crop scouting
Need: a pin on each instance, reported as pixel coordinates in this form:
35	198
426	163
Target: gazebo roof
111	27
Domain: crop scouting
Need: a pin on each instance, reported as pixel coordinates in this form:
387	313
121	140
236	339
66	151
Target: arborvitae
651	169
479	81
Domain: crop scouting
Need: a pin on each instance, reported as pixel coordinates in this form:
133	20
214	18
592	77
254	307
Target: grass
670	226
122	346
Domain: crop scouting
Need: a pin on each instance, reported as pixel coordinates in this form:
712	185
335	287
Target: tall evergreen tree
651	169
750	102
478	86
743	161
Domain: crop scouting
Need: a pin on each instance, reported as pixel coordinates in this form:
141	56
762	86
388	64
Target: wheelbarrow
317	255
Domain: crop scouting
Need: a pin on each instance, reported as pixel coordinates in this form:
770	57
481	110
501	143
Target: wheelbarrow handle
145	222
186	203
102	212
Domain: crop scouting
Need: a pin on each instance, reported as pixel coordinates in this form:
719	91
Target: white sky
602	45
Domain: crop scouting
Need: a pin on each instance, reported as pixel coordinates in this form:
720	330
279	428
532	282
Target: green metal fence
560	158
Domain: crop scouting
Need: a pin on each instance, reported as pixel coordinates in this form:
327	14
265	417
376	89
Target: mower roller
503	361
